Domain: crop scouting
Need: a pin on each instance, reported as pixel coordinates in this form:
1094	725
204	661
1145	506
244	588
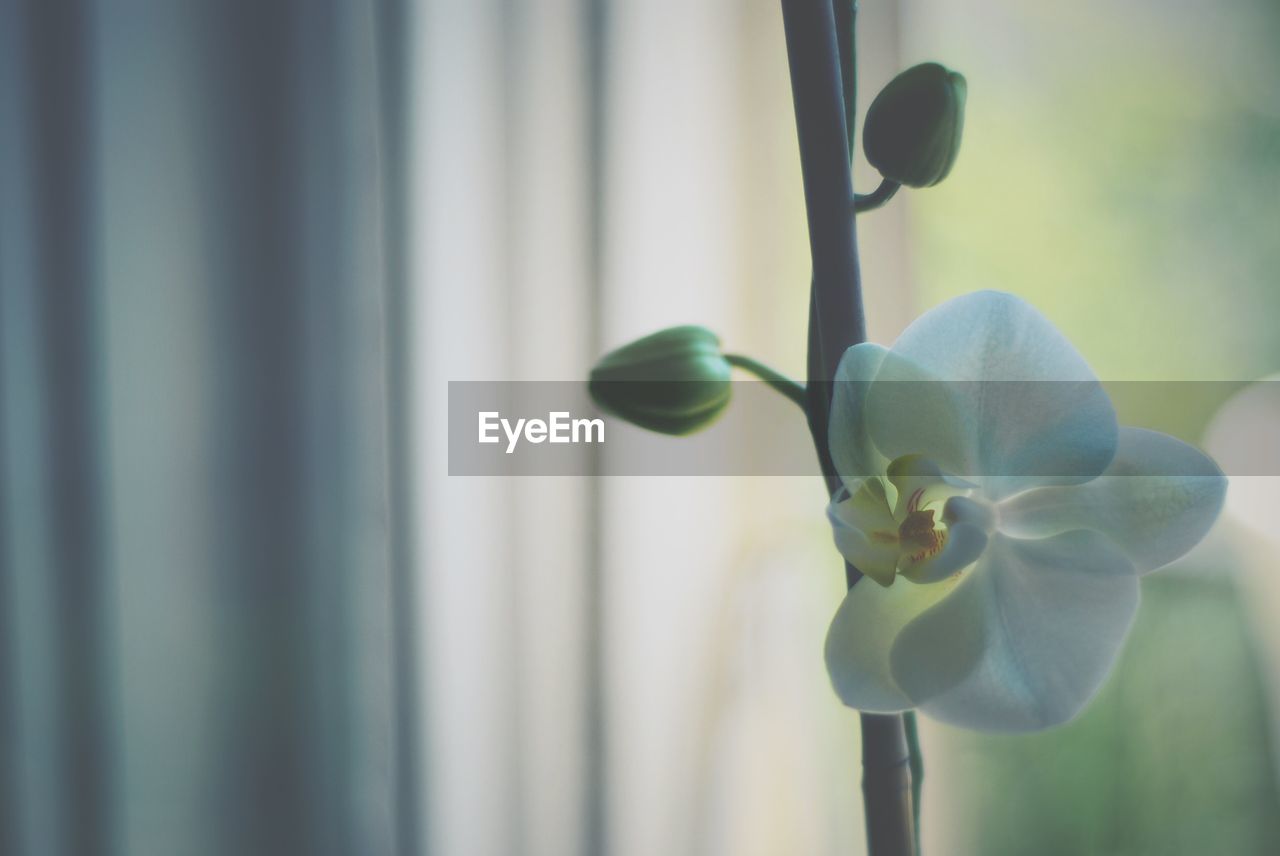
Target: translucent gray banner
553	428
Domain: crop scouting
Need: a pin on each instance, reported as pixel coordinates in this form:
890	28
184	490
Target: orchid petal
1156	501
990	390
1026	638
852	452
865	532
861	636
910	412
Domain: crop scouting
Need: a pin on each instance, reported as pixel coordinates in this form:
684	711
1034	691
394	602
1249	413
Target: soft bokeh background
244	247
1121	170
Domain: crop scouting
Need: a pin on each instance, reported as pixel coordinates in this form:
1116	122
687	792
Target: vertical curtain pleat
8	721
461	312
395	67
267	585
55	563
285	191
595	750
197	634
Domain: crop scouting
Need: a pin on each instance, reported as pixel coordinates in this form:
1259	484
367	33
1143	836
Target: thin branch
873	200
846	14
777	380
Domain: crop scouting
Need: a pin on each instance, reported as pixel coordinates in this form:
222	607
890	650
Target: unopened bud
675	381
913	126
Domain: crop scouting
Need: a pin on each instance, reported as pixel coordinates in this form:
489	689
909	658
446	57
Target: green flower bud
913	126
675	381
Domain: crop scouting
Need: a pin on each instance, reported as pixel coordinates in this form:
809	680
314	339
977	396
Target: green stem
873	200
777	380
821	55
917	770
886	786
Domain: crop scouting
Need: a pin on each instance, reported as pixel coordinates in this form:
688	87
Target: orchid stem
777	380
821	57
917	770
886	786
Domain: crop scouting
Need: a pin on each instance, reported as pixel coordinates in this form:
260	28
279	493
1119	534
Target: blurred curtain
589	171
200	555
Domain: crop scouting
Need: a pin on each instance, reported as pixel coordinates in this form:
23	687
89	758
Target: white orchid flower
1001	517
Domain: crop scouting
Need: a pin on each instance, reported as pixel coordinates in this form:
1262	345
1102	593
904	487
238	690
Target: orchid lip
901	523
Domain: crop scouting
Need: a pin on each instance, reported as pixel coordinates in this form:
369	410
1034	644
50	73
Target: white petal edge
1026	640
854	455
988	387
853	521
862	634
990	336
1156	501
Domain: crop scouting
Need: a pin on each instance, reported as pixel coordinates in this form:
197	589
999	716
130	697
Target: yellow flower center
901	519
918	535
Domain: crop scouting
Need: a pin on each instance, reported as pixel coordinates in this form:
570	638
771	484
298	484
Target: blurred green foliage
1174	756
1121	171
